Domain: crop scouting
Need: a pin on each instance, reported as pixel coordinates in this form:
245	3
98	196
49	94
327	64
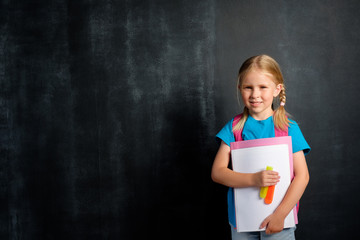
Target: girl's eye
263	87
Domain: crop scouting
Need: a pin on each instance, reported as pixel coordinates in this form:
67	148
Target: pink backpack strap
238	133
281	133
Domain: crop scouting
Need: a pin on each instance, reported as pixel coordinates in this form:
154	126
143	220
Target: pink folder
252	156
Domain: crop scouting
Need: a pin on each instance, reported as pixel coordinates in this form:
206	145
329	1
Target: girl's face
258	91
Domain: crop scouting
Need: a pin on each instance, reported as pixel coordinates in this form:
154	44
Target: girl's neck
262	116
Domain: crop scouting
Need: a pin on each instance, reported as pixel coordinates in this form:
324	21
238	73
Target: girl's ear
277	90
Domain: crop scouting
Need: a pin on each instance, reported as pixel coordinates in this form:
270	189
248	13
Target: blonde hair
268	66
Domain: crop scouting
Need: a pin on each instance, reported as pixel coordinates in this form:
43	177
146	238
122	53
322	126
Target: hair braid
282	96
280	115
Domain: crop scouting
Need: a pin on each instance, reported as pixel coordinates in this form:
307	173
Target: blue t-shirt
255	129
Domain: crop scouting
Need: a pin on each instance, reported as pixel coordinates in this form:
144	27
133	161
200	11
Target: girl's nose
255	93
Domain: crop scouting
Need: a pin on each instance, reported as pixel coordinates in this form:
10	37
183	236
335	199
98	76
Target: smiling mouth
255	103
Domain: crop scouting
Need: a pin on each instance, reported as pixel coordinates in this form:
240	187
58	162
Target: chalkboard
109	109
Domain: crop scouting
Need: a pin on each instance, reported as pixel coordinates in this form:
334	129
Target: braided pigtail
282	96
280	116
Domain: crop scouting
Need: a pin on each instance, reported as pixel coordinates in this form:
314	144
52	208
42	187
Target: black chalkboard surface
109	111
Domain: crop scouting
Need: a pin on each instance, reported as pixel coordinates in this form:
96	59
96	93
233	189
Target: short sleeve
226	134
298	141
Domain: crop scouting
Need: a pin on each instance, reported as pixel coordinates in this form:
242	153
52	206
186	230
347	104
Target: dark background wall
108	113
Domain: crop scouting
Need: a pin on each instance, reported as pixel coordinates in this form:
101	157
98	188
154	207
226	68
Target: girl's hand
273	223
266	178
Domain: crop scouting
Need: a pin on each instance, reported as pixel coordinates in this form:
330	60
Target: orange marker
270	194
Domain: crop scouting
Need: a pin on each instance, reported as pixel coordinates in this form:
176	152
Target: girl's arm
275	222
220	173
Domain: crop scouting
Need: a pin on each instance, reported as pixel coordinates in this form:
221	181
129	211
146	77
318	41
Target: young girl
260	82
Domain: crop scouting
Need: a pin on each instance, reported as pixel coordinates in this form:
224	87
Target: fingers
273	224
266	178
270	178
264	223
